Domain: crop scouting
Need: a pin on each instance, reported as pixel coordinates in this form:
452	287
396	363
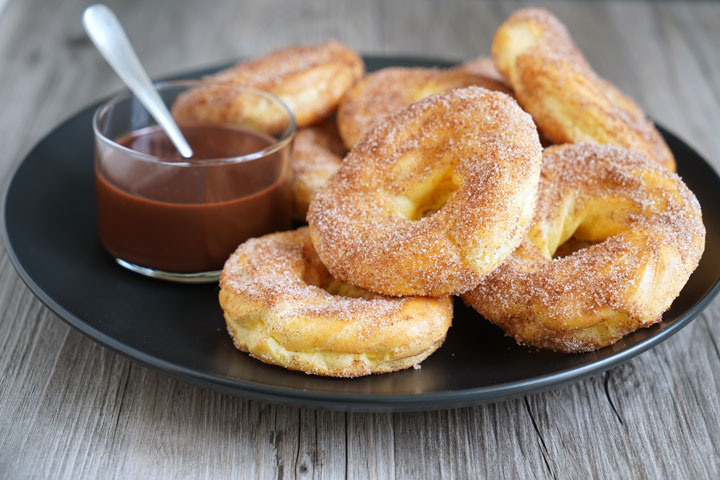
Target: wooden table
71	408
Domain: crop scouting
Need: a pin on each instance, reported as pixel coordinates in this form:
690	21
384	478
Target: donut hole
318	276
342	289
427	196
570	246
433	88
578	229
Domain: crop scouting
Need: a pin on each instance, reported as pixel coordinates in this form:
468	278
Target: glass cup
179	219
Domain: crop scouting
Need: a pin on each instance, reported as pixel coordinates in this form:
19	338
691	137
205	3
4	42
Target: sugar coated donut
433	198
317	154
645	236
282	306
310	79
569	102
385	91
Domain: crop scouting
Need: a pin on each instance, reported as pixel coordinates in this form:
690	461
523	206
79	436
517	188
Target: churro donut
385	91
282	306
568	100
643	232
433	198
310	79
317	154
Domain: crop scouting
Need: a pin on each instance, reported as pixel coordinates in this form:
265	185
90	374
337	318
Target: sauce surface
190	218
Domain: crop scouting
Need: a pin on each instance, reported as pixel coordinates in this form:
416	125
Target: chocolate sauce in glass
189	219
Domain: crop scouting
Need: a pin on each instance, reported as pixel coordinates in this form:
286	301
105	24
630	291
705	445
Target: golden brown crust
318	152
646	235
383	92
310	79
569	102
282	306
433	198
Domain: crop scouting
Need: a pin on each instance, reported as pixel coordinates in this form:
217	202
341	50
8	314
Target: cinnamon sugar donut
569	102
433	198
643	232
310	79
282	306
317	154
385	91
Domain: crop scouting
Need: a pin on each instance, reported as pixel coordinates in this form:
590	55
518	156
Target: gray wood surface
70	408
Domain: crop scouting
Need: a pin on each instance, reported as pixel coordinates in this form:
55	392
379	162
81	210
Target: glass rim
281	143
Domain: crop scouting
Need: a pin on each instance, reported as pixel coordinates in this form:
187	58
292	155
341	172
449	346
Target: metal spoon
105	31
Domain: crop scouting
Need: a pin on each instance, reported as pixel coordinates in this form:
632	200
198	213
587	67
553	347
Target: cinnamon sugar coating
433	198
645	234
569	102
282	306
310	79
385	91
318	152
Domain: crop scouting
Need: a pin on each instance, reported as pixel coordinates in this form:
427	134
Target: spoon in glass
105	31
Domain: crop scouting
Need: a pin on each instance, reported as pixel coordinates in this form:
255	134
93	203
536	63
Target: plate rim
327	399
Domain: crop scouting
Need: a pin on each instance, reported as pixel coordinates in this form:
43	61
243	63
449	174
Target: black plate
49	228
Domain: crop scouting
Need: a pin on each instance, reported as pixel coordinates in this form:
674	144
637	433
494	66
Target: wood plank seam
606	380
543	446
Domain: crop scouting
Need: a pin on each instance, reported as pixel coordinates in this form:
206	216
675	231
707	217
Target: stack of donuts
418	184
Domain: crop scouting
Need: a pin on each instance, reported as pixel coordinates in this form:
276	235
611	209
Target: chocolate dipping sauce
189	219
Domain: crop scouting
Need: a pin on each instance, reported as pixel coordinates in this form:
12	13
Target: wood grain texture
72	409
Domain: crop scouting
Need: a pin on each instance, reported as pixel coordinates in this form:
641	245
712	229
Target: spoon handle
105	31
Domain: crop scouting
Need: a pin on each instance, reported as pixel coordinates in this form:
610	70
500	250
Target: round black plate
50	233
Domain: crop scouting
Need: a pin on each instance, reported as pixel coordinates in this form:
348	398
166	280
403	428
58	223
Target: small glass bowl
178	219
